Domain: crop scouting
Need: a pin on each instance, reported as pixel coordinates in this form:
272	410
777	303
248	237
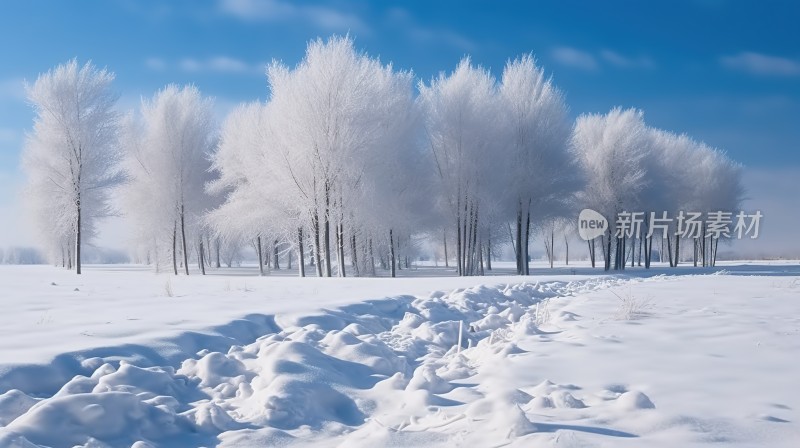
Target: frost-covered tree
168	150
394	201
719	189
71	157
541	174
660	175
257	202
693	177
612	150
311	157
461	119
335	112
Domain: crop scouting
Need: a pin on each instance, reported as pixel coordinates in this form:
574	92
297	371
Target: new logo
591	224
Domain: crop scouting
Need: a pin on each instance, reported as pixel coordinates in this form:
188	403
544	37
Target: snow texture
544	363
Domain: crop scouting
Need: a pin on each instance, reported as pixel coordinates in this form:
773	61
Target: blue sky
726	72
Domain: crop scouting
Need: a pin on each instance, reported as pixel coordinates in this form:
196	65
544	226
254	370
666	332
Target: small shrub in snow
542	312
632	307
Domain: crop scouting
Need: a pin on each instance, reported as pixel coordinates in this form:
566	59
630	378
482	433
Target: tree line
351	163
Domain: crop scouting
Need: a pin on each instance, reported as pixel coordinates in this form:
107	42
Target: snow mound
115	417
634	400
13	404
564	399
213	369
426	378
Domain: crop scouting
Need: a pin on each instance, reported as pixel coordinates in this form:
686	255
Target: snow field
607	361
379	363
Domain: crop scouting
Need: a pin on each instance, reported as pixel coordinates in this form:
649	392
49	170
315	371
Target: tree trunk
458	246
705	260
340	250
175	247
714	257
327	246
301	260
518	246
354	252
317	257
468	232
208	250
669	251
444	238
371	258
633	250
677	249
616	251
467	240
202	258
327	230
624	254
489	255
217	244
260	257
78	239
183	242
526	243
465	243
641	242
398	251
480	257
476	249
391	252
276	262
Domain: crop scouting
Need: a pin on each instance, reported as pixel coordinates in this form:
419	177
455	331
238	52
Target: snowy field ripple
556	363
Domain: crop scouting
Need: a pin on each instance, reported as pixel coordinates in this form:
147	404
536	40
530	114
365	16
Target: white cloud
227	64
403	21
573	57
191	65
273	10
585	60
216	64
447	37
618	60
255	9
156	64
761	64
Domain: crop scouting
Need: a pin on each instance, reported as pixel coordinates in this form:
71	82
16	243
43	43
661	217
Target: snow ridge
372	372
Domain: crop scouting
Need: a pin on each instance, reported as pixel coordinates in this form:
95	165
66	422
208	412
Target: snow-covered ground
569	357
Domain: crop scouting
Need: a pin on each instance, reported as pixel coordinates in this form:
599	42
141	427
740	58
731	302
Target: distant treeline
31	255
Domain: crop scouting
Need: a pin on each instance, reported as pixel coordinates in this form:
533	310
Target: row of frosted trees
349	165
632	167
